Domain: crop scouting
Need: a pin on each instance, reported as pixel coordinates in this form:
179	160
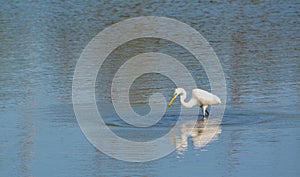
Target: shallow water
257	44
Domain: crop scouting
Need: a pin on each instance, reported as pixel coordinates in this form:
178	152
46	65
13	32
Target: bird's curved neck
189	104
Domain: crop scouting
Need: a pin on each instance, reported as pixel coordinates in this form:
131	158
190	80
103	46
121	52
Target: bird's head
177	92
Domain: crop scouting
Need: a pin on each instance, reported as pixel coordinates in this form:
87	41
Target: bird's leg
204	111
201	106
207	113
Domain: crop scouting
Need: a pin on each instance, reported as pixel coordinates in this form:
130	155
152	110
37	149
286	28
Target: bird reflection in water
203	132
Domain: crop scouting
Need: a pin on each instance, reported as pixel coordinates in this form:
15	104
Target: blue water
257	44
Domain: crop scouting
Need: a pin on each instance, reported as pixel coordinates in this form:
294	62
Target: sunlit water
257	44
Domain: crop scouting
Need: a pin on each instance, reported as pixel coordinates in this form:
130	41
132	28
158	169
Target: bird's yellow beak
172	99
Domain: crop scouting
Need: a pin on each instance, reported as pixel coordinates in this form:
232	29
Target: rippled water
257	44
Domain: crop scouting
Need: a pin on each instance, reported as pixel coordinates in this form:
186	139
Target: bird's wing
205	97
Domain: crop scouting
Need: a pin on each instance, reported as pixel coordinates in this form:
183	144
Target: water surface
257	44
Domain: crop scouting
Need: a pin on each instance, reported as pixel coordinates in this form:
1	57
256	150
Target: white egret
200	98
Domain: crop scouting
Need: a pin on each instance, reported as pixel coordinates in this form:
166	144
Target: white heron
200	98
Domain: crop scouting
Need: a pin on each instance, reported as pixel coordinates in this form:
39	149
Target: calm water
257	44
